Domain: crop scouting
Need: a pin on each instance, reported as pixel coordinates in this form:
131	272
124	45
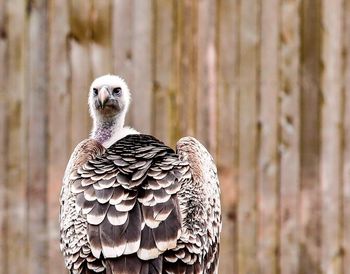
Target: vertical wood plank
3	133
16	221
122	19
101	50
227	135
248	72
80	65
37	86
142	52
187	69
268	139
331	140
346	154
164	69
310	236
59	118
175	93
206	124
290	137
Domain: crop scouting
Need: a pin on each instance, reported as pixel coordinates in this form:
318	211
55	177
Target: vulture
130	204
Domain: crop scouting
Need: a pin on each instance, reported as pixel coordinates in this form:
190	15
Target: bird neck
104	129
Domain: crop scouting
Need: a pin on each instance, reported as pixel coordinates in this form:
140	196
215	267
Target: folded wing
129	198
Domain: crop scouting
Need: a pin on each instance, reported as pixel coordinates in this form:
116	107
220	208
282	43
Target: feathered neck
109	131
105	128
103	131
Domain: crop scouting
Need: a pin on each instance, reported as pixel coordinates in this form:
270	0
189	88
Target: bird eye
116	91
95	91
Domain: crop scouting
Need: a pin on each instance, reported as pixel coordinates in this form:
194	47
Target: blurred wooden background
265	85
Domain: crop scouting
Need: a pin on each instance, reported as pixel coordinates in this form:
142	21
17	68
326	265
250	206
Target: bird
131	204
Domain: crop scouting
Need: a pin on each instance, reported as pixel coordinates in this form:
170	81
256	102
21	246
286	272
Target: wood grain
227	129
122	54
142	52
16	183
3	134
37	86
164	70
187	16
80	67
346	147
290	137
310	137
331	139
101	50
248	114
59	121
268	161
206	124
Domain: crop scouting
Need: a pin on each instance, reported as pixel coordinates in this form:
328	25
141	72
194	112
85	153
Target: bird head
109	97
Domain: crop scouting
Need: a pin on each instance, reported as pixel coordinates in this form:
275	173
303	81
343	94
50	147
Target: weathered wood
142	53
163	69
207	75
331	139
227	130
122	19
290	137
16	183
268	163
248	105
346	152
187	16
59	118
37	86
310	236
3	134
80	66
101	50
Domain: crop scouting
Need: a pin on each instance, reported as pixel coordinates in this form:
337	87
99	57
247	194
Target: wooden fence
265	85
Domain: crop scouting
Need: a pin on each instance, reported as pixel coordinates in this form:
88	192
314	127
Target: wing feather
94	240
131	212
147	209
199	199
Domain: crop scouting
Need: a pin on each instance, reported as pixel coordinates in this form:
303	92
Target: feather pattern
139	207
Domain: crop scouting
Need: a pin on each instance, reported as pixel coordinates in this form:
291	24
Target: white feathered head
109	97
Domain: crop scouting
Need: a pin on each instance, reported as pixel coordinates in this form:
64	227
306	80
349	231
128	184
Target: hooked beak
103	97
